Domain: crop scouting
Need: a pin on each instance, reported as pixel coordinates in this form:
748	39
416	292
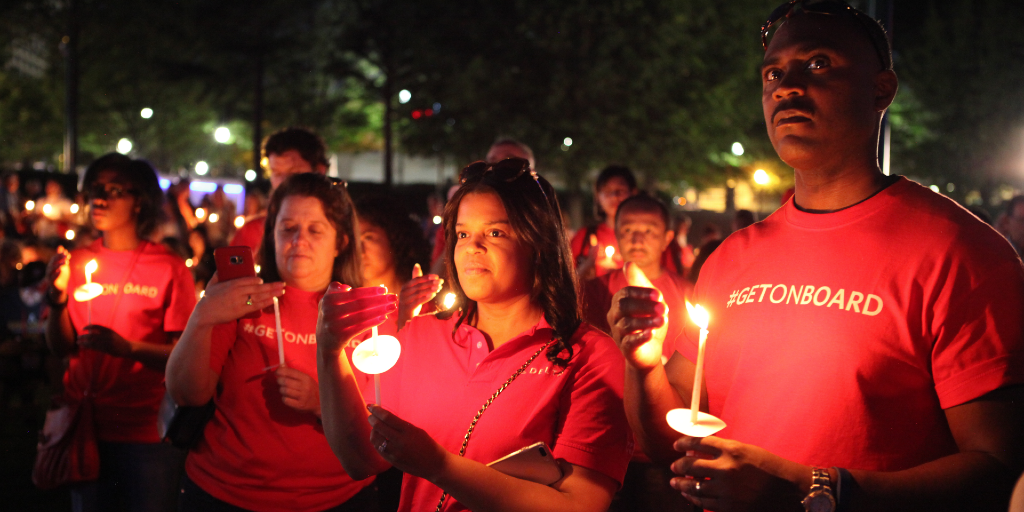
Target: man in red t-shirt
643	231
866	341
286	152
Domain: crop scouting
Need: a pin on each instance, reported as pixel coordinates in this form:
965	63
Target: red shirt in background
157	298
598	294
441	381
580	246
840	338
251	234
257	452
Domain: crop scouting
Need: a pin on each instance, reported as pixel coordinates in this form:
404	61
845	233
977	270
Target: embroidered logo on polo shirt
263	331
822	296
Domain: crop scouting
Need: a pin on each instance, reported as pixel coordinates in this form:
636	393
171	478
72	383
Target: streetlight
146	113
124	146
222	135
737	148
202	168
250	175
404	96
567	141
761	177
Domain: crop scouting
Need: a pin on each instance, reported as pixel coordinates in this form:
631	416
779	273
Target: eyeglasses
837	8
508	170
106	191
338	181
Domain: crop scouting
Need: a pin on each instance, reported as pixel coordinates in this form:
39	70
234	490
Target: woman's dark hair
533	212
606	174
339	211
408	246
141	178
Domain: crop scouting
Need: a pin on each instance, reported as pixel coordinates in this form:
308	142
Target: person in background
518	330
686	254
285	152
11	204
742	219
118	358
393	246
220	216
55	211
265	449
869	353
1011	223
613	186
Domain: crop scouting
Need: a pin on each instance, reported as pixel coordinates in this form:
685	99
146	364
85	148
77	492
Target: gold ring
248	302
383	446
697	487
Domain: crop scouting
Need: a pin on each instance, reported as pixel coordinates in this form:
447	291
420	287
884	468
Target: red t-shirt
251	234
840	338
257	452
598	294
580	246
440	383
157	298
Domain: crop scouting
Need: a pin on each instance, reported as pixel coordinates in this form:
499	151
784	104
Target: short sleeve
979	333
593	429
181	299
221	341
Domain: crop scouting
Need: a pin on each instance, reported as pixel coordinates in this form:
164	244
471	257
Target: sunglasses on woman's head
507	170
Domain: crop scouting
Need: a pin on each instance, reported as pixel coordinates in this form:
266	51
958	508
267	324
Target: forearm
60	334
485	489
964	481
343	413
189	378
151	355
648	397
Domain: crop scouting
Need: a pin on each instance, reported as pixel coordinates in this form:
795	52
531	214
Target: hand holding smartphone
235	262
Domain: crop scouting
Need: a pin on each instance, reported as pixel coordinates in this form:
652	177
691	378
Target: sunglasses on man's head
835	8
105	191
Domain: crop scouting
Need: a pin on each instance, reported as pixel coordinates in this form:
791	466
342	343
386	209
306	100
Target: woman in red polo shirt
118	342
515	365
264	449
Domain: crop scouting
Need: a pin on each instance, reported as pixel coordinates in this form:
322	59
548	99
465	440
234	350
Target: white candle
89	269
280	337
700	317
376	376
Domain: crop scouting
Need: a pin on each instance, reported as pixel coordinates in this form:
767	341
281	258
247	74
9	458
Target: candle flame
200	213
449	300
609	251
698	314
89	269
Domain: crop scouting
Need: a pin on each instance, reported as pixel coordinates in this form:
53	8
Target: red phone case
235	262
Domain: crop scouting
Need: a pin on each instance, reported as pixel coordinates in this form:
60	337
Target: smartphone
534	463
235	262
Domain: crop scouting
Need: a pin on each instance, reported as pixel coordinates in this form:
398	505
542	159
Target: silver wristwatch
820	499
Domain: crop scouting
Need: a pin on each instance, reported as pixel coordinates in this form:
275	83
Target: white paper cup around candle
86	293
706	425
376	356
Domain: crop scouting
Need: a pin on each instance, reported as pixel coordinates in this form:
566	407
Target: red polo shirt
442	380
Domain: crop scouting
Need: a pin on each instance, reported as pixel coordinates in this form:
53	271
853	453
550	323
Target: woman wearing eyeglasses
265	449
514	366
119	341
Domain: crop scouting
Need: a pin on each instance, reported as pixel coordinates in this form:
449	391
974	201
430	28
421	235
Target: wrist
441	472
56	298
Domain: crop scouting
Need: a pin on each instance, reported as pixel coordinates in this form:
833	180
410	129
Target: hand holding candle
691	421
651	350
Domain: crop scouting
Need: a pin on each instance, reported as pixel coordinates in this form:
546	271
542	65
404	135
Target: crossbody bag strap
472	424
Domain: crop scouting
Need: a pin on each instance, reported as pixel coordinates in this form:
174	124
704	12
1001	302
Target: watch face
819	501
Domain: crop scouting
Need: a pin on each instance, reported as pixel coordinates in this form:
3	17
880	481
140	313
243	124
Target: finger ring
696	488
248	302
383	446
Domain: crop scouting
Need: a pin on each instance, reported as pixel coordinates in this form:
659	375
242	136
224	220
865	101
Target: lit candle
88	291
700	317
280	338
376	356
449	300
608	253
